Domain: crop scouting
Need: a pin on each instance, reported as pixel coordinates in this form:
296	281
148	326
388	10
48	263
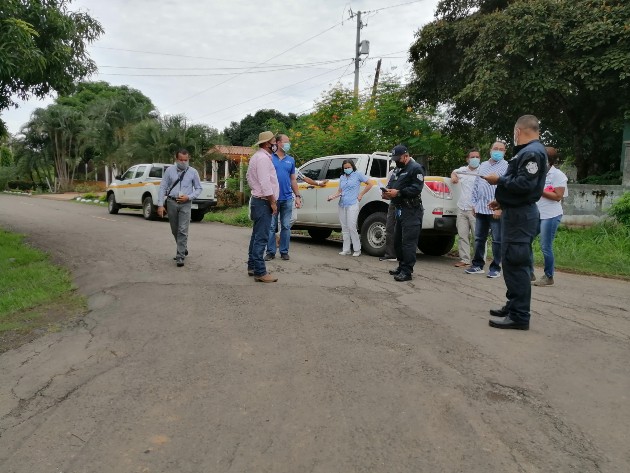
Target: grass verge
35	295
602	250
237	216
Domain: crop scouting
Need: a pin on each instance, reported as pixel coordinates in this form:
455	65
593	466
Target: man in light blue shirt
487	220
285	170
179	187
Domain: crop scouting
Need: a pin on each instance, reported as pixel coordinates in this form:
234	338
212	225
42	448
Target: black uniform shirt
524	179
409	181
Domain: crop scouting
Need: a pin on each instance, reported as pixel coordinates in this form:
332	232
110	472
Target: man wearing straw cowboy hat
262	180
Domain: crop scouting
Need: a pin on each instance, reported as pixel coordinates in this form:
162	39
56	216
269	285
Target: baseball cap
398	151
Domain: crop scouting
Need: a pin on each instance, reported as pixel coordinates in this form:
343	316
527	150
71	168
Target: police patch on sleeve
420	177
532	167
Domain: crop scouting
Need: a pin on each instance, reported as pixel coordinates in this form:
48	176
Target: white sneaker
344	253
357	253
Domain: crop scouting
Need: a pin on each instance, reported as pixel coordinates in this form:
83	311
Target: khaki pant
465	228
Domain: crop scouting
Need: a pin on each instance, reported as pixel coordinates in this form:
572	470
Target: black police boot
394	272
400	277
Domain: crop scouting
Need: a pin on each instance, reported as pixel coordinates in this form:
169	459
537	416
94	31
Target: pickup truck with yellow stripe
138	188
319	217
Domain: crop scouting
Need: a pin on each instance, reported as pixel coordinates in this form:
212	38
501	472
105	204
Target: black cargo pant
518	229
406	235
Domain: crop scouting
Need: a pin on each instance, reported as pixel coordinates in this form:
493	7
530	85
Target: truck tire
436	245
112	206
149	211
196	215
373	234
319	234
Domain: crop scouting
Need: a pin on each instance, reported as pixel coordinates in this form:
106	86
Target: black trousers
406	235
518	229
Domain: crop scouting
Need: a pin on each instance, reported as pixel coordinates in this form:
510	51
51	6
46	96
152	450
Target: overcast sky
214	61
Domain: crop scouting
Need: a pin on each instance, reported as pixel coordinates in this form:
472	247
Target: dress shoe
502	312
180	263
508	323
250	272
285	257
269	257
266	278
400	277
394	272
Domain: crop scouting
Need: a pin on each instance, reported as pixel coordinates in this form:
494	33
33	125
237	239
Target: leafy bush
227	198
6	174
621	209
609	178
87	187
21	185
90	196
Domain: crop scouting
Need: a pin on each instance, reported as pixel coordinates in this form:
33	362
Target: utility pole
357	56
376	74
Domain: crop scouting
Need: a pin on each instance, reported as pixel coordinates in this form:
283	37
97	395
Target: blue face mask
497	155
347	171
473	162
286	147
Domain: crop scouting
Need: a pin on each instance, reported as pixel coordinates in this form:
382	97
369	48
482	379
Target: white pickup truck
320	217
138	188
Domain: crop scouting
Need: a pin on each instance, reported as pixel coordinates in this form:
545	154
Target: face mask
182	165
347	171
286	147
474	162
496	155
274	148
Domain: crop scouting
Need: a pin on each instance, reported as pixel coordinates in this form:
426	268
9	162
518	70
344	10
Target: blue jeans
548	229
261	216
285	207
485	223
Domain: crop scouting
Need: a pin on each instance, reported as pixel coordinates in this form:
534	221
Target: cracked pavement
335	368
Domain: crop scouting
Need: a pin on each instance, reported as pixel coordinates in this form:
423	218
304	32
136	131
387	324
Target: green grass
231	216
31	287
602	249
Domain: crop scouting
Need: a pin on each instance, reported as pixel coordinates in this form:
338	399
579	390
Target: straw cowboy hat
264	137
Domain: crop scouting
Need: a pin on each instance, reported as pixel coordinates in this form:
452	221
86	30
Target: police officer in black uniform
517	193
403	189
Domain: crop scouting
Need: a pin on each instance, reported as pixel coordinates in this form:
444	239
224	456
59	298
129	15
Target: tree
157	139
341	125
245	132
42	49
565	61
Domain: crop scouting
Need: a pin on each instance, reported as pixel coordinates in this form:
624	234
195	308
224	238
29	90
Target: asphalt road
335	368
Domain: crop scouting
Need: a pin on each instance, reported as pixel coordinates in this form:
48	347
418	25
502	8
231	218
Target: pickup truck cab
320	217
138	188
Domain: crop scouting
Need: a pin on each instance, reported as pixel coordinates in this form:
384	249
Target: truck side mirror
118	178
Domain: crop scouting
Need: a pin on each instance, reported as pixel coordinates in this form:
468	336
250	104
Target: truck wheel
319	234
112	206
373	234
149	211
196	215
436	245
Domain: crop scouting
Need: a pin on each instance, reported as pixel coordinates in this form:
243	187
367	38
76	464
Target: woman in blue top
351	194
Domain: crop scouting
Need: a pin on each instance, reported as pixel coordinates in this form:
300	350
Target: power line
264	95
264	62
210	75
267	66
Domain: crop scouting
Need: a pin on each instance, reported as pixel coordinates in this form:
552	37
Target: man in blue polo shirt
285	170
